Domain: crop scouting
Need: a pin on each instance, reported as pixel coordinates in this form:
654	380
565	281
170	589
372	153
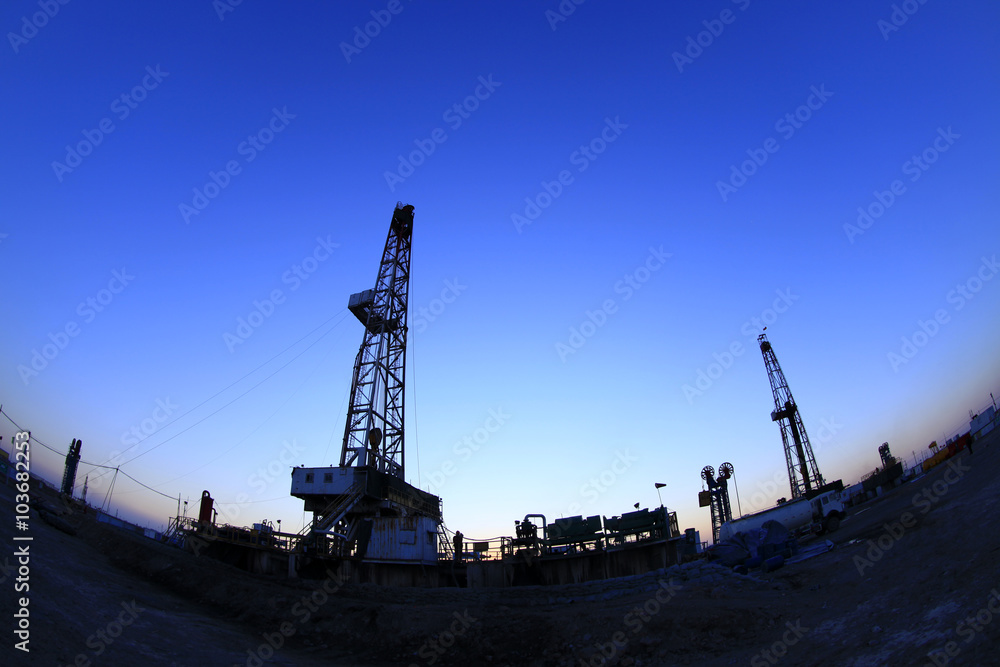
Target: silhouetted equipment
644	524
717	496
373	434
887	458
72	461
803	474
205	511
364	509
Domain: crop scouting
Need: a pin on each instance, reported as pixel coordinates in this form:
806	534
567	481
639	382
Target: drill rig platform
363	514
364	511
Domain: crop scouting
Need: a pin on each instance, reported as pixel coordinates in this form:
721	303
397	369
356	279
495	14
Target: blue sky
655	177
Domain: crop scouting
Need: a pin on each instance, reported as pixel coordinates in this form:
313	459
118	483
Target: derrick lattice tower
803	473
373	434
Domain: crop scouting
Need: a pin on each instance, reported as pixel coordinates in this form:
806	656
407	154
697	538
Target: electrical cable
223	407
416	428
257	428
235	382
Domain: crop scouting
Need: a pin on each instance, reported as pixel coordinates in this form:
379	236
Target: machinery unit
364	509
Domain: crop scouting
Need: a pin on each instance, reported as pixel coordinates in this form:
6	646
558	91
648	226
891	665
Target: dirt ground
912	580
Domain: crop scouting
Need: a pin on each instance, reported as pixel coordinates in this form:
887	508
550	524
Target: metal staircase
334	512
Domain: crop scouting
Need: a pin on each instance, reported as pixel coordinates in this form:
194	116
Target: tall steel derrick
373	434
803	474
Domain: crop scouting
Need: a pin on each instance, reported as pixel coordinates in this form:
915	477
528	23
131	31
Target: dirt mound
912	574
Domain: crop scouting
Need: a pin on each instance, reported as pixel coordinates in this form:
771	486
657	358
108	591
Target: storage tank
792	515
205	512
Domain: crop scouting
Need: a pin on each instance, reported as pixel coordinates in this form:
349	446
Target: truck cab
828	510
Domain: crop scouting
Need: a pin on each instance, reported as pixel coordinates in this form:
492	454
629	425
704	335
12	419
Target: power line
144	486
276	411
117	469
223	407
253	502
30	437
96	465
235	382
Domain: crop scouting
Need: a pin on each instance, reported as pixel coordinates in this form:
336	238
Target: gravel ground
911	574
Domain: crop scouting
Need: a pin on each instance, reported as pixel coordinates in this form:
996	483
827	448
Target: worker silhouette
457	541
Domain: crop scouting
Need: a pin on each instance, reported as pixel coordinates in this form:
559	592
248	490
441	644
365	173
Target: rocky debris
56	522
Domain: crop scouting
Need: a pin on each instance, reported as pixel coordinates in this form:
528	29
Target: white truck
821	511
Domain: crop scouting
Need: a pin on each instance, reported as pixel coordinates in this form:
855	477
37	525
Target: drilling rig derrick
364	509
803	474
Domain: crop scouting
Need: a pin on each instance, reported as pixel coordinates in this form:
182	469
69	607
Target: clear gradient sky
608	203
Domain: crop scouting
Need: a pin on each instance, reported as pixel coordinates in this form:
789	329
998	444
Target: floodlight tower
803	473
718	496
